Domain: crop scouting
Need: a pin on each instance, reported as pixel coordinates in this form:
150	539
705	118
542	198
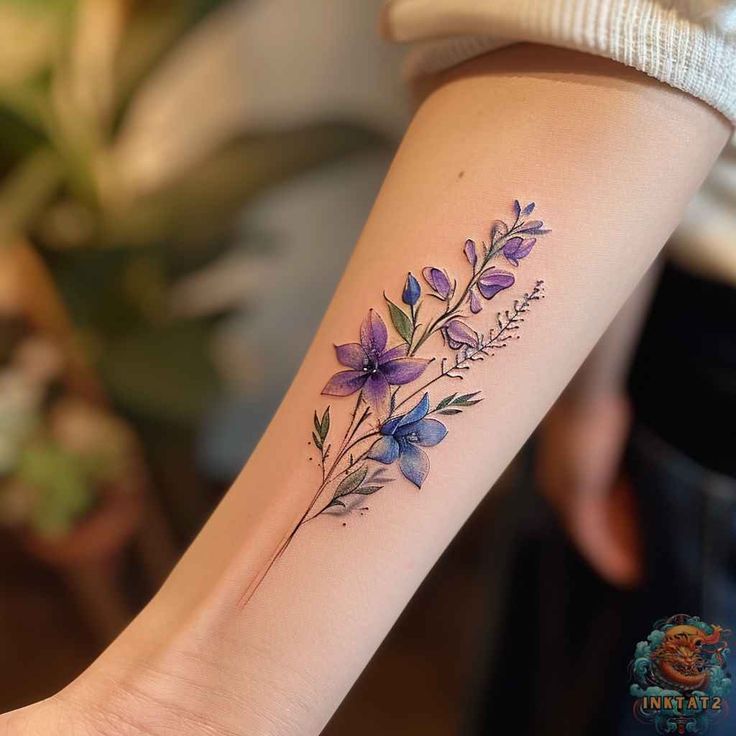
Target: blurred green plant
118	208
125	162
62	485
59	453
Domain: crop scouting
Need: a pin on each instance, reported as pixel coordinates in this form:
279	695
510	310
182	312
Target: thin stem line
364	437
344	445
280	549
352	419
283	545
357	460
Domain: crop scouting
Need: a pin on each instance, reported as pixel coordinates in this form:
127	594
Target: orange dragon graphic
679	676
680	659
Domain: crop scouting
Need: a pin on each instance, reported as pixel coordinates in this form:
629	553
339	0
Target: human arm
611	158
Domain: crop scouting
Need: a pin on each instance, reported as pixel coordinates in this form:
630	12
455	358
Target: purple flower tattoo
439	282
518	248
389	433
393	422
457	334
491	281
373	368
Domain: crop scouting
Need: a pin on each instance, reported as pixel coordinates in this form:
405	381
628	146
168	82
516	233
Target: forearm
610	158
603	374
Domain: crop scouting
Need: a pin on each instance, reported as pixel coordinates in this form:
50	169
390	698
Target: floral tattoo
393	423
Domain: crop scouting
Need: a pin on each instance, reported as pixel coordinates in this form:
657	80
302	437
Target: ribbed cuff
695	55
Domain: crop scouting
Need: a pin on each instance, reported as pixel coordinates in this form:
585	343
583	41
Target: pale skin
612	158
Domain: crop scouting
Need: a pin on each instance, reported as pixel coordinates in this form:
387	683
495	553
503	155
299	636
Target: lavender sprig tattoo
393	422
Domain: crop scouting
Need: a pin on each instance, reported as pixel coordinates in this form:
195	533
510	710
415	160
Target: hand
578	472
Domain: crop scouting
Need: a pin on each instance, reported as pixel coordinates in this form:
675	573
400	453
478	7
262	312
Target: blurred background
181	183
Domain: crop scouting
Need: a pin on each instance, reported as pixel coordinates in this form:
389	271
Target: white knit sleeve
688	44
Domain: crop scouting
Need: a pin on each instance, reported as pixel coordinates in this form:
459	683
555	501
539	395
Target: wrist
188	687
50	717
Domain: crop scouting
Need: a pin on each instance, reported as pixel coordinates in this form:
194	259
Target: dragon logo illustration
679	675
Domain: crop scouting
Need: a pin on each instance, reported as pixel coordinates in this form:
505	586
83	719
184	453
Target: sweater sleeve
688	44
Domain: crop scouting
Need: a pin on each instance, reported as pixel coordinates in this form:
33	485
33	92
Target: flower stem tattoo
393	421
